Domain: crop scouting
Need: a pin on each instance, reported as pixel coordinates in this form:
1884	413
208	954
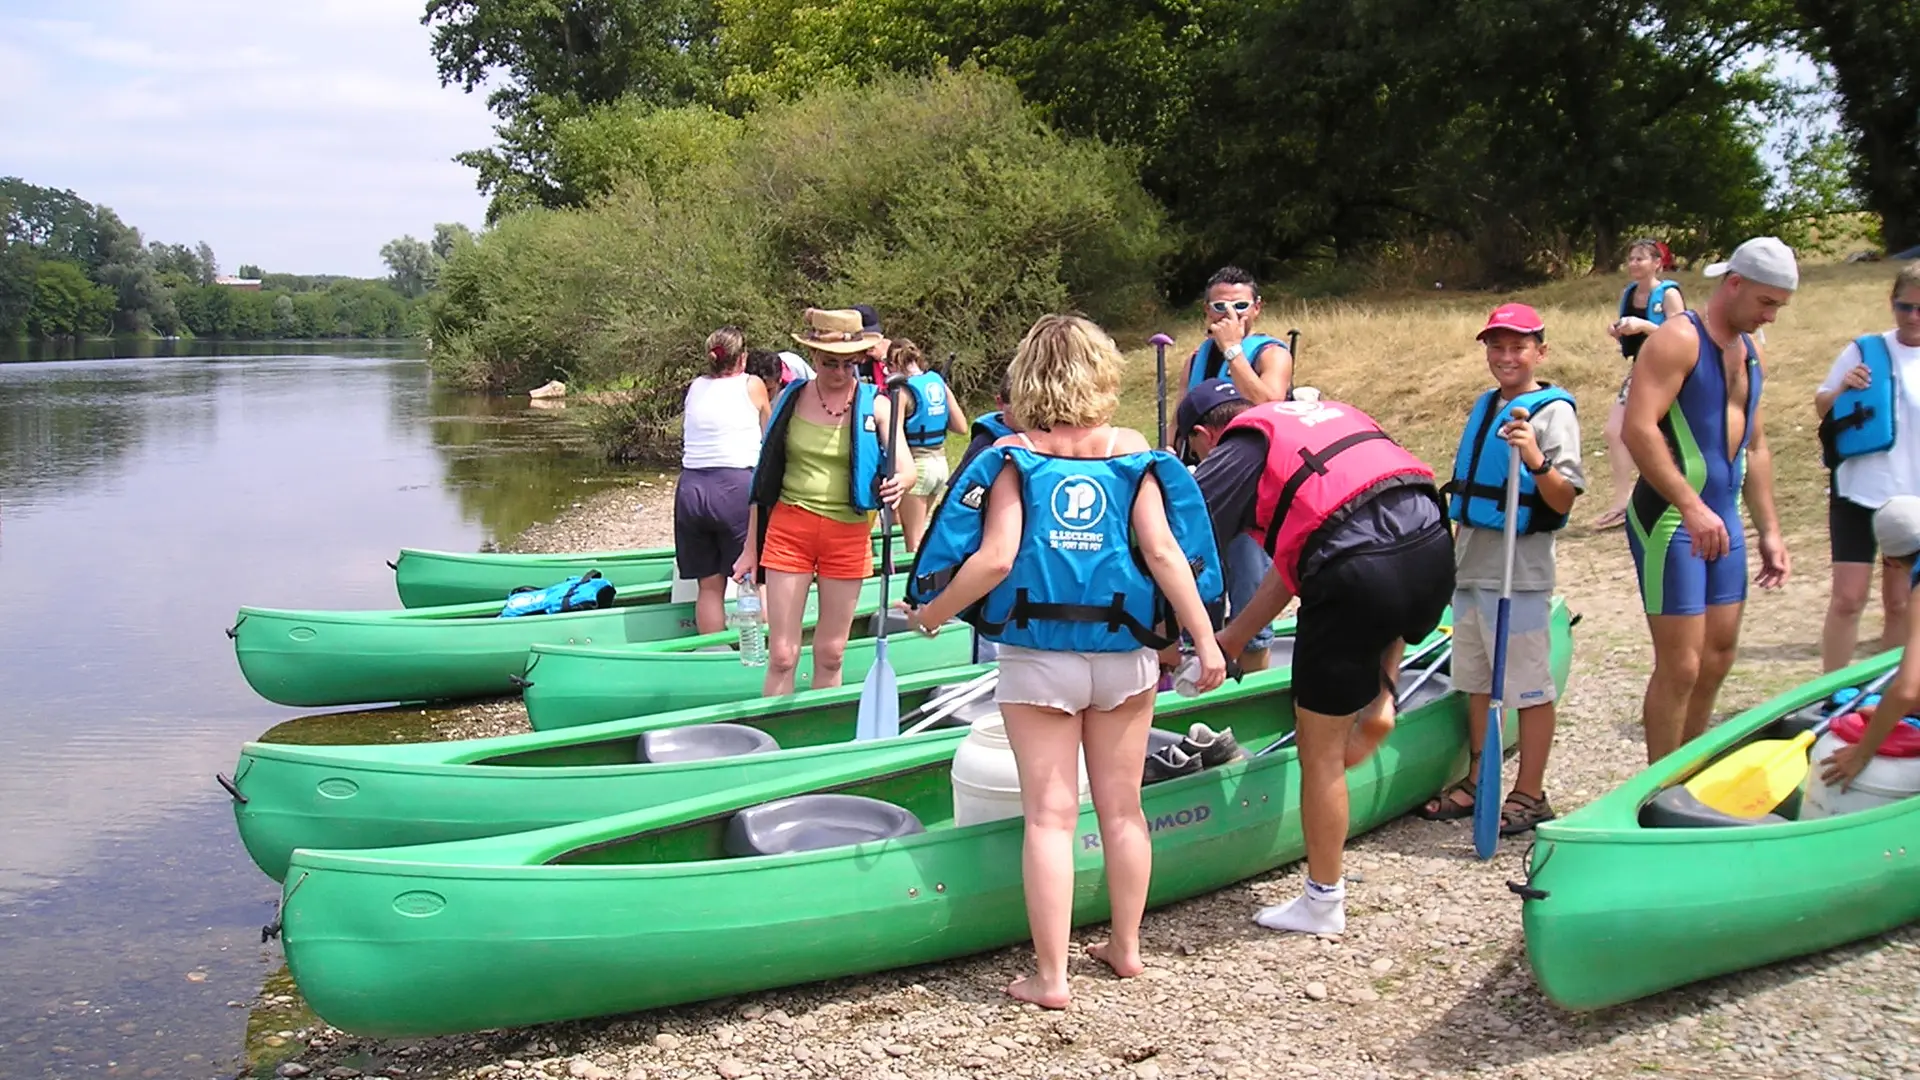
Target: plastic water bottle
745	618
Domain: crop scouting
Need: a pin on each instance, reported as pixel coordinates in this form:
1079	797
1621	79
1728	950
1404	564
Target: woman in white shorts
1067	683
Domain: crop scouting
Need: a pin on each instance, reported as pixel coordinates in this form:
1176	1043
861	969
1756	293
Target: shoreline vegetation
1431	978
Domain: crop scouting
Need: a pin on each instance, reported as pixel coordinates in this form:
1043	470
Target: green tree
1870	47
449	237
249	270
65	303
412	263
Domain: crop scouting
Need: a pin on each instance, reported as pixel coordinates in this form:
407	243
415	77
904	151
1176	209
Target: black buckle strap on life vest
1533	500
1113	615
1313	464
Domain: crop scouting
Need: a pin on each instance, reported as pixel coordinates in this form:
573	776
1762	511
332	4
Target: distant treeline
70	268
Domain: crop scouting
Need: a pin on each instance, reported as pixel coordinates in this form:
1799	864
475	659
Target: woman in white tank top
726	412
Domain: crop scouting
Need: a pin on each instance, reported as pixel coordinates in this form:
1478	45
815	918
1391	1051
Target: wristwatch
1545	467
1235	352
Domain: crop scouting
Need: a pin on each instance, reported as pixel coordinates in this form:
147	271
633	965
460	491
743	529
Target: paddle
880	695
1160	343
953	702
1486	800
1759	776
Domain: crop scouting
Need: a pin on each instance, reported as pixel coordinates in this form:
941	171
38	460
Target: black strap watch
1545	467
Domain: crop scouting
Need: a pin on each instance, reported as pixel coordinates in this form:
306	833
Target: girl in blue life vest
1646	302
1091	493
1869	405
932	414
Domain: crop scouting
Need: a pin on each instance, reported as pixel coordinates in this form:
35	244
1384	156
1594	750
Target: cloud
299	137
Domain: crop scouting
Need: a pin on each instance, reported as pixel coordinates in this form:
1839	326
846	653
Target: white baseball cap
1763	259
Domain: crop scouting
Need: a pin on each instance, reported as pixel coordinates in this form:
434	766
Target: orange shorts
802	542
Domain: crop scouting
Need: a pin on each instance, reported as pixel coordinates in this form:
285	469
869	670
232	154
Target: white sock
1322	909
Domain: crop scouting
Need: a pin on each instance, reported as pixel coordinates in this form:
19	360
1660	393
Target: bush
943	202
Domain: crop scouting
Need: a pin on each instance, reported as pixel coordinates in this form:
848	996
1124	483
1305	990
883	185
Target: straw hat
837	331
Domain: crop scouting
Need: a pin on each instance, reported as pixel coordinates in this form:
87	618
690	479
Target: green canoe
657	908
565	685
319	658
386	795
1644	889
426	578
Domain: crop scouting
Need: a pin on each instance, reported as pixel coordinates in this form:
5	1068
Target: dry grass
1412	363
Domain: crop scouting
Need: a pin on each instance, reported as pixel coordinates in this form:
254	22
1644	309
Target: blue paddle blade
1486	800
879	699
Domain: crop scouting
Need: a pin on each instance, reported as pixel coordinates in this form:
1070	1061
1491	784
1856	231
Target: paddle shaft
1160	388
1486	799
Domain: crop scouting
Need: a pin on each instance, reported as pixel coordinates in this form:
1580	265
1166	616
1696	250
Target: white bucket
986	780
1884	780
687	590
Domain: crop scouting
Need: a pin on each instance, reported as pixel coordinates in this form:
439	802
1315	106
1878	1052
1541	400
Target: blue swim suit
1673	580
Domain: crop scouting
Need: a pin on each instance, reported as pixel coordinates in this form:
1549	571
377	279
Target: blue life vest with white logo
1862	421
927	425
1079	582
1477	494
588	590
1210	363
993	425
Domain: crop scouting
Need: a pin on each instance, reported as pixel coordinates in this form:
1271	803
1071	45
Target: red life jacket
1321	457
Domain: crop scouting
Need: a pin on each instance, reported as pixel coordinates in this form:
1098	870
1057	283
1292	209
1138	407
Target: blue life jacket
866	457
1658	295
1477	494
993	425
927	426
588	590
1210	363
1863	421
1079	583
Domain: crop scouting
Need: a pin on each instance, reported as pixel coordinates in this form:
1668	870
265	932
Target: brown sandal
1521	812
1444	807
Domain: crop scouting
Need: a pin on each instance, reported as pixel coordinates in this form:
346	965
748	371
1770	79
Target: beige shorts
931	472
1073	682
1476	619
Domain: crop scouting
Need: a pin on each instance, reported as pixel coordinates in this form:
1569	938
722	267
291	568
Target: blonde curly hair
1066	372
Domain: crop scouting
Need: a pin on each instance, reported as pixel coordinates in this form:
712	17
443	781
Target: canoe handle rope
519	682
391	566
272	929
232	631
231	789
1524	889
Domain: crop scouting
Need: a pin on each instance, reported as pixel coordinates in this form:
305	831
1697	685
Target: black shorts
710	521
1850	530
1356	606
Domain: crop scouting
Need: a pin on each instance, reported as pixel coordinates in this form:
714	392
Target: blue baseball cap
1202	400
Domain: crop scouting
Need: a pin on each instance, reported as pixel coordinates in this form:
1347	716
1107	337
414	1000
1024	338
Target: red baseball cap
1517	317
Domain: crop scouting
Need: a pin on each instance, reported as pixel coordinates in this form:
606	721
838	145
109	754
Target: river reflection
142	500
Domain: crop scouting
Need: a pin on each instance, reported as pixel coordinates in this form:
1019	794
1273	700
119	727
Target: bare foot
1366	736
1031	989
1126	966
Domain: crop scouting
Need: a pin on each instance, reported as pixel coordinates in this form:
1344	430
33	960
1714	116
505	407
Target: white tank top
722	428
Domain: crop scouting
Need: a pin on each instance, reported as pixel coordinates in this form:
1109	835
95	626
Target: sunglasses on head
1906	307
1221	307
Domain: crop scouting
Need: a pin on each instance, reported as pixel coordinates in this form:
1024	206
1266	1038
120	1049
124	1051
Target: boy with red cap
1356	529
1547	439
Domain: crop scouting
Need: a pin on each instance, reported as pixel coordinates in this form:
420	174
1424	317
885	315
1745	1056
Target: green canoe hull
1623	911
461	651
646	910
425	578
569	685
385	795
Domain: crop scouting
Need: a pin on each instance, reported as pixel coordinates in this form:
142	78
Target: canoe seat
698	742
1437	686
812	822
896	622
1676	808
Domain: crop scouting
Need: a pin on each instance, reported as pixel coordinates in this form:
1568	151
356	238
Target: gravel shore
1430	979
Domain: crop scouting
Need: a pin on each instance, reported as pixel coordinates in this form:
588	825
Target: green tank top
818	470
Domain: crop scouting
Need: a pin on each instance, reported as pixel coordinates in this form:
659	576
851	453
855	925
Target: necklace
821	396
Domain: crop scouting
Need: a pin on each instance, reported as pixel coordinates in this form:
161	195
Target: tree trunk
1606	246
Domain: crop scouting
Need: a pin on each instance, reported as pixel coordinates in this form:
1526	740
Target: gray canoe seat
1676	808
698	742
812	822
1437	686
896	622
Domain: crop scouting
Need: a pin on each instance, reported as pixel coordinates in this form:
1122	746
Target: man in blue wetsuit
1693	426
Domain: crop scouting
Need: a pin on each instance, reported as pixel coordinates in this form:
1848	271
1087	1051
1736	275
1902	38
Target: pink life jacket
1322	456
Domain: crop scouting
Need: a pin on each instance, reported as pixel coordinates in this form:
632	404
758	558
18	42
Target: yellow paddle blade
1754	779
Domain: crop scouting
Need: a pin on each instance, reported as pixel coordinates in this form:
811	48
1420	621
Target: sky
297	135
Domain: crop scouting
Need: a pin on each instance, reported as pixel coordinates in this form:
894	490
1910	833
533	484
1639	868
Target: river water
142	500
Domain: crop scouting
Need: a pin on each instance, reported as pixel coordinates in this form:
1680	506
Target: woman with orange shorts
823	472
